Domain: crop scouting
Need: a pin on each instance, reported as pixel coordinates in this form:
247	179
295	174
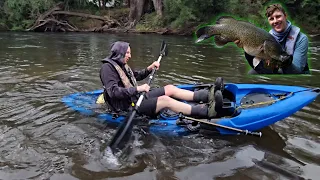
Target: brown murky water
40	138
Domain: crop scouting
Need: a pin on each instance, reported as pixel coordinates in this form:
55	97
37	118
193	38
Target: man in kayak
291	39
121	90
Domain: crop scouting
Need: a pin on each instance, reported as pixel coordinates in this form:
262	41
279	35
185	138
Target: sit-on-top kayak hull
250	115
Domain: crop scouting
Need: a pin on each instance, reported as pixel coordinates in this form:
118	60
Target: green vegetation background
177	14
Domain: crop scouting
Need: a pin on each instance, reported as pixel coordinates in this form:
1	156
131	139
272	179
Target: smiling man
291	39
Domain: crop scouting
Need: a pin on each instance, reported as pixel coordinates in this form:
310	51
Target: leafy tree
21	13
182	12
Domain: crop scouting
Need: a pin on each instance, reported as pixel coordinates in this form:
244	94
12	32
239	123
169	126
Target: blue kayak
246	106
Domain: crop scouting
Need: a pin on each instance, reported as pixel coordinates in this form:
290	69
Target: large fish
255	41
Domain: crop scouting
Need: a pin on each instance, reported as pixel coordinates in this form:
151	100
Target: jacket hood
118	52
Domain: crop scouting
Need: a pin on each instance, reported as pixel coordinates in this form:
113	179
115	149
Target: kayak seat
229	106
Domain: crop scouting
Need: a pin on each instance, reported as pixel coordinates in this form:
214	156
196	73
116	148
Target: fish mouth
202	37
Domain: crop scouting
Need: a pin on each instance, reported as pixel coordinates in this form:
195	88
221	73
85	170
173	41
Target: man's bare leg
178	93
173	105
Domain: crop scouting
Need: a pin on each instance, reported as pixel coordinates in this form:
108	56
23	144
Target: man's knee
170	89
163	102
164	99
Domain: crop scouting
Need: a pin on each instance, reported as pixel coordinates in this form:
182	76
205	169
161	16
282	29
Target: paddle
181	116
127	125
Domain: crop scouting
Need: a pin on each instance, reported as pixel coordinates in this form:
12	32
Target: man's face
278	21
128	55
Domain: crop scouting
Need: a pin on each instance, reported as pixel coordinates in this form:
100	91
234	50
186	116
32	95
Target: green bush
150	22
22	13
181	12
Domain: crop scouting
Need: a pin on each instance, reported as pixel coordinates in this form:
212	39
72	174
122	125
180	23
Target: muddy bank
162	31
58	19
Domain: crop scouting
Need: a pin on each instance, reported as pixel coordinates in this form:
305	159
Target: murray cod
255	41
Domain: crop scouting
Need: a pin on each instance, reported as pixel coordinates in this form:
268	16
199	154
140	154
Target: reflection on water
40	138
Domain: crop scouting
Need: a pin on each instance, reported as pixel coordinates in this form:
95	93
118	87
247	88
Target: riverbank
149	23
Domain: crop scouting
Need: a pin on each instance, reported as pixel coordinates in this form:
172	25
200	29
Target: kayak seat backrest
229	105
228	96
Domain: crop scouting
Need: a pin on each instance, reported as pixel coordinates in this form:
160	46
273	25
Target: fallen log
45	15
80	15
84	15
55	20
55	24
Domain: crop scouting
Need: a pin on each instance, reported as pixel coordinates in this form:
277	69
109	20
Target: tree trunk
136	10
139	7
103	4
99	4
158	6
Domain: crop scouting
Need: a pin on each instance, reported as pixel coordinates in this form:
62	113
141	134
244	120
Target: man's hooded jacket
116	94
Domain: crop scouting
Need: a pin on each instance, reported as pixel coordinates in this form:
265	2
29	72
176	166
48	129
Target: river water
40	138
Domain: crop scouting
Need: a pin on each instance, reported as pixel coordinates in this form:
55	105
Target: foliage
309	14
150	22
248	10
182	12
75	4
20	14
20	11
3	17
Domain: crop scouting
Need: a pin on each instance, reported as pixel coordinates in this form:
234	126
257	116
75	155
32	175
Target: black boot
218	85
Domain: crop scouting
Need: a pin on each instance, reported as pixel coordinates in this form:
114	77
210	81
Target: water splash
110	160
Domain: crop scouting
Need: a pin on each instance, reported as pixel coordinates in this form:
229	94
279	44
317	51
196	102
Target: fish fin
224	19
220	40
